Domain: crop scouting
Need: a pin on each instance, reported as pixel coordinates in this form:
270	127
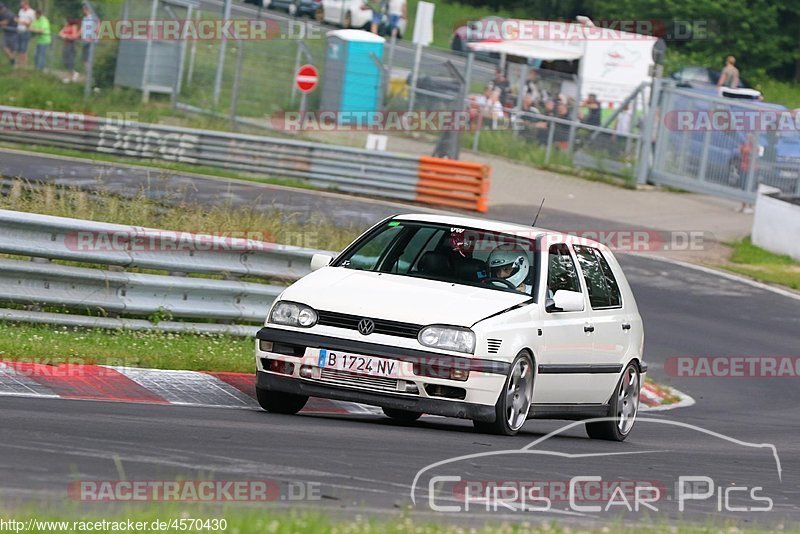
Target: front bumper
415	388
447	408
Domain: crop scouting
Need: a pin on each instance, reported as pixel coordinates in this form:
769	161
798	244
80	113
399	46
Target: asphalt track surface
367	463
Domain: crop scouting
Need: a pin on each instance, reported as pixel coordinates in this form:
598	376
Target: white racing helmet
514	257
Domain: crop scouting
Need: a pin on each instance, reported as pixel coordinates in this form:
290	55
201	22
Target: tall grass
172	213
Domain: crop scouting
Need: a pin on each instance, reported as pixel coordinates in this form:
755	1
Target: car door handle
626	326
588	328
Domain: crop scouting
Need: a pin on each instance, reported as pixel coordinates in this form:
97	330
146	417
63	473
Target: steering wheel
503	281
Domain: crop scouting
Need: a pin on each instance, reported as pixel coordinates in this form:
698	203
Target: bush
105	64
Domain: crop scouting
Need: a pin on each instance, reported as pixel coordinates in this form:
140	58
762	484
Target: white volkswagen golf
460	317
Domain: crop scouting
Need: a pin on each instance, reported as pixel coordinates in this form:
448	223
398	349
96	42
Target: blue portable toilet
352	80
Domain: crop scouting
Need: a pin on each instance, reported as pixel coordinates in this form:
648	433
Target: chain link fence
724	147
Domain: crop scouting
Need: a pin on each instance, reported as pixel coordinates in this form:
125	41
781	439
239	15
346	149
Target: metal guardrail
45	236
351	170
40	282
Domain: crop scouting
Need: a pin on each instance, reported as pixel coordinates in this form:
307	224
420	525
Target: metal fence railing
352	170
103	293
693	152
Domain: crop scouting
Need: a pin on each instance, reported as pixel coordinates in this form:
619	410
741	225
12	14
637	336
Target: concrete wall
776	226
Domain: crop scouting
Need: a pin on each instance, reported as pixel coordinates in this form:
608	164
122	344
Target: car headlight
448	338
293	314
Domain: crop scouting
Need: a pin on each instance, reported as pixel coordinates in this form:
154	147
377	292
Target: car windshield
466	256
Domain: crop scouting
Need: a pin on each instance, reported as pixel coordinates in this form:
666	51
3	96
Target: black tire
404	416
501	425
278	402
610	429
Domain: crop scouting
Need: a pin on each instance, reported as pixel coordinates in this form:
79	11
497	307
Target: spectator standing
377	7
561	136
535	94
8	23
396	10
622	126
500	84
89	28
41	28
543	127
730	74
25	18
70	34
592	116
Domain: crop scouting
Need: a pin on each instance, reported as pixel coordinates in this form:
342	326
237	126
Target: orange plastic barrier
452	183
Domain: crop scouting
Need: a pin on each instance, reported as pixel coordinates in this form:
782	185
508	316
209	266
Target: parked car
702	77
296	8
350	14
460	317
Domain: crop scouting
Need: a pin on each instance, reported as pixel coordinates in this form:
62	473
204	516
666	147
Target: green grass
272	521
256	220
780	92
760	264
505	144
149	349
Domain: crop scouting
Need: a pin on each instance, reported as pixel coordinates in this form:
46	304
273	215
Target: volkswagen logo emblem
366	326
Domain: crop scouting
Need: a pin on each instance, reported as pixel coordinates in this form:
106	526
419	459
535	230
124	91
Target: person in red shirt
70	33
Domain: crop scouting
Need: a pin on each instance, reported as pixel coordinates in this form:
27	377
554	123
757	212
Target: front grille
343	378
493	345
382	326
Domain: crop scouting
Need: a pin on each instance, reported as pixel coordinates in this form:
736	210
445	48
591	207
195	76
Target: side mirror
318	261
565	301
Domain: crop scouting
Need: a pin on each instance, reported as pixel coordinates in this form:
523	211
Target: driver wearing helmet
511	265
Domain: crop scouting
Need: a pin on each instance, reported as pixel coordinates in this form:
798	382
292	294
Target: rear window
600	281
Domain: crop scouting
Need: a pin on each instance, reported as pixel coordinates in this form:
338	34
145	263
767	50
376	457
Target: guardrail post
701	171
646	148
236	80
550	137
751	171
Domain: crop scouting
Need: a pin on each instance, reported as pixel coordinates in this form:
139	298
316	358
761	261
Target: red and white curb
191	388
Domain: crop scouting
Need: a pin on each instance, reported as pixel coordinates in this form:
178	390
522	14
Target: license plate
359	364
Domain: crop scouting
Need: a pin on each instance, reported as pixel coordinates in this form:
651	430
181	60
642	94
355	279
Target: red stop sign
306	78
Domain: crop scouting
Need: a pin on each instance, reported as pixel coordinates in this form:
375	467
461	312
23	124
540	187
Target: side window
600	281
424	239
614	296
561	271
367	258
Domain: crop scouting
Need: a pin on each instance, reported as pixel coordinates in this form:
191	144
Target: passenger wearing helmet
512	265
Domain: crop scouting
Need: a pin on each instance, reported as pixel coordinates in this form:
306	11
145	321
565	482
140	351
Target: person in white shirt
89	28
396	11
25	18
